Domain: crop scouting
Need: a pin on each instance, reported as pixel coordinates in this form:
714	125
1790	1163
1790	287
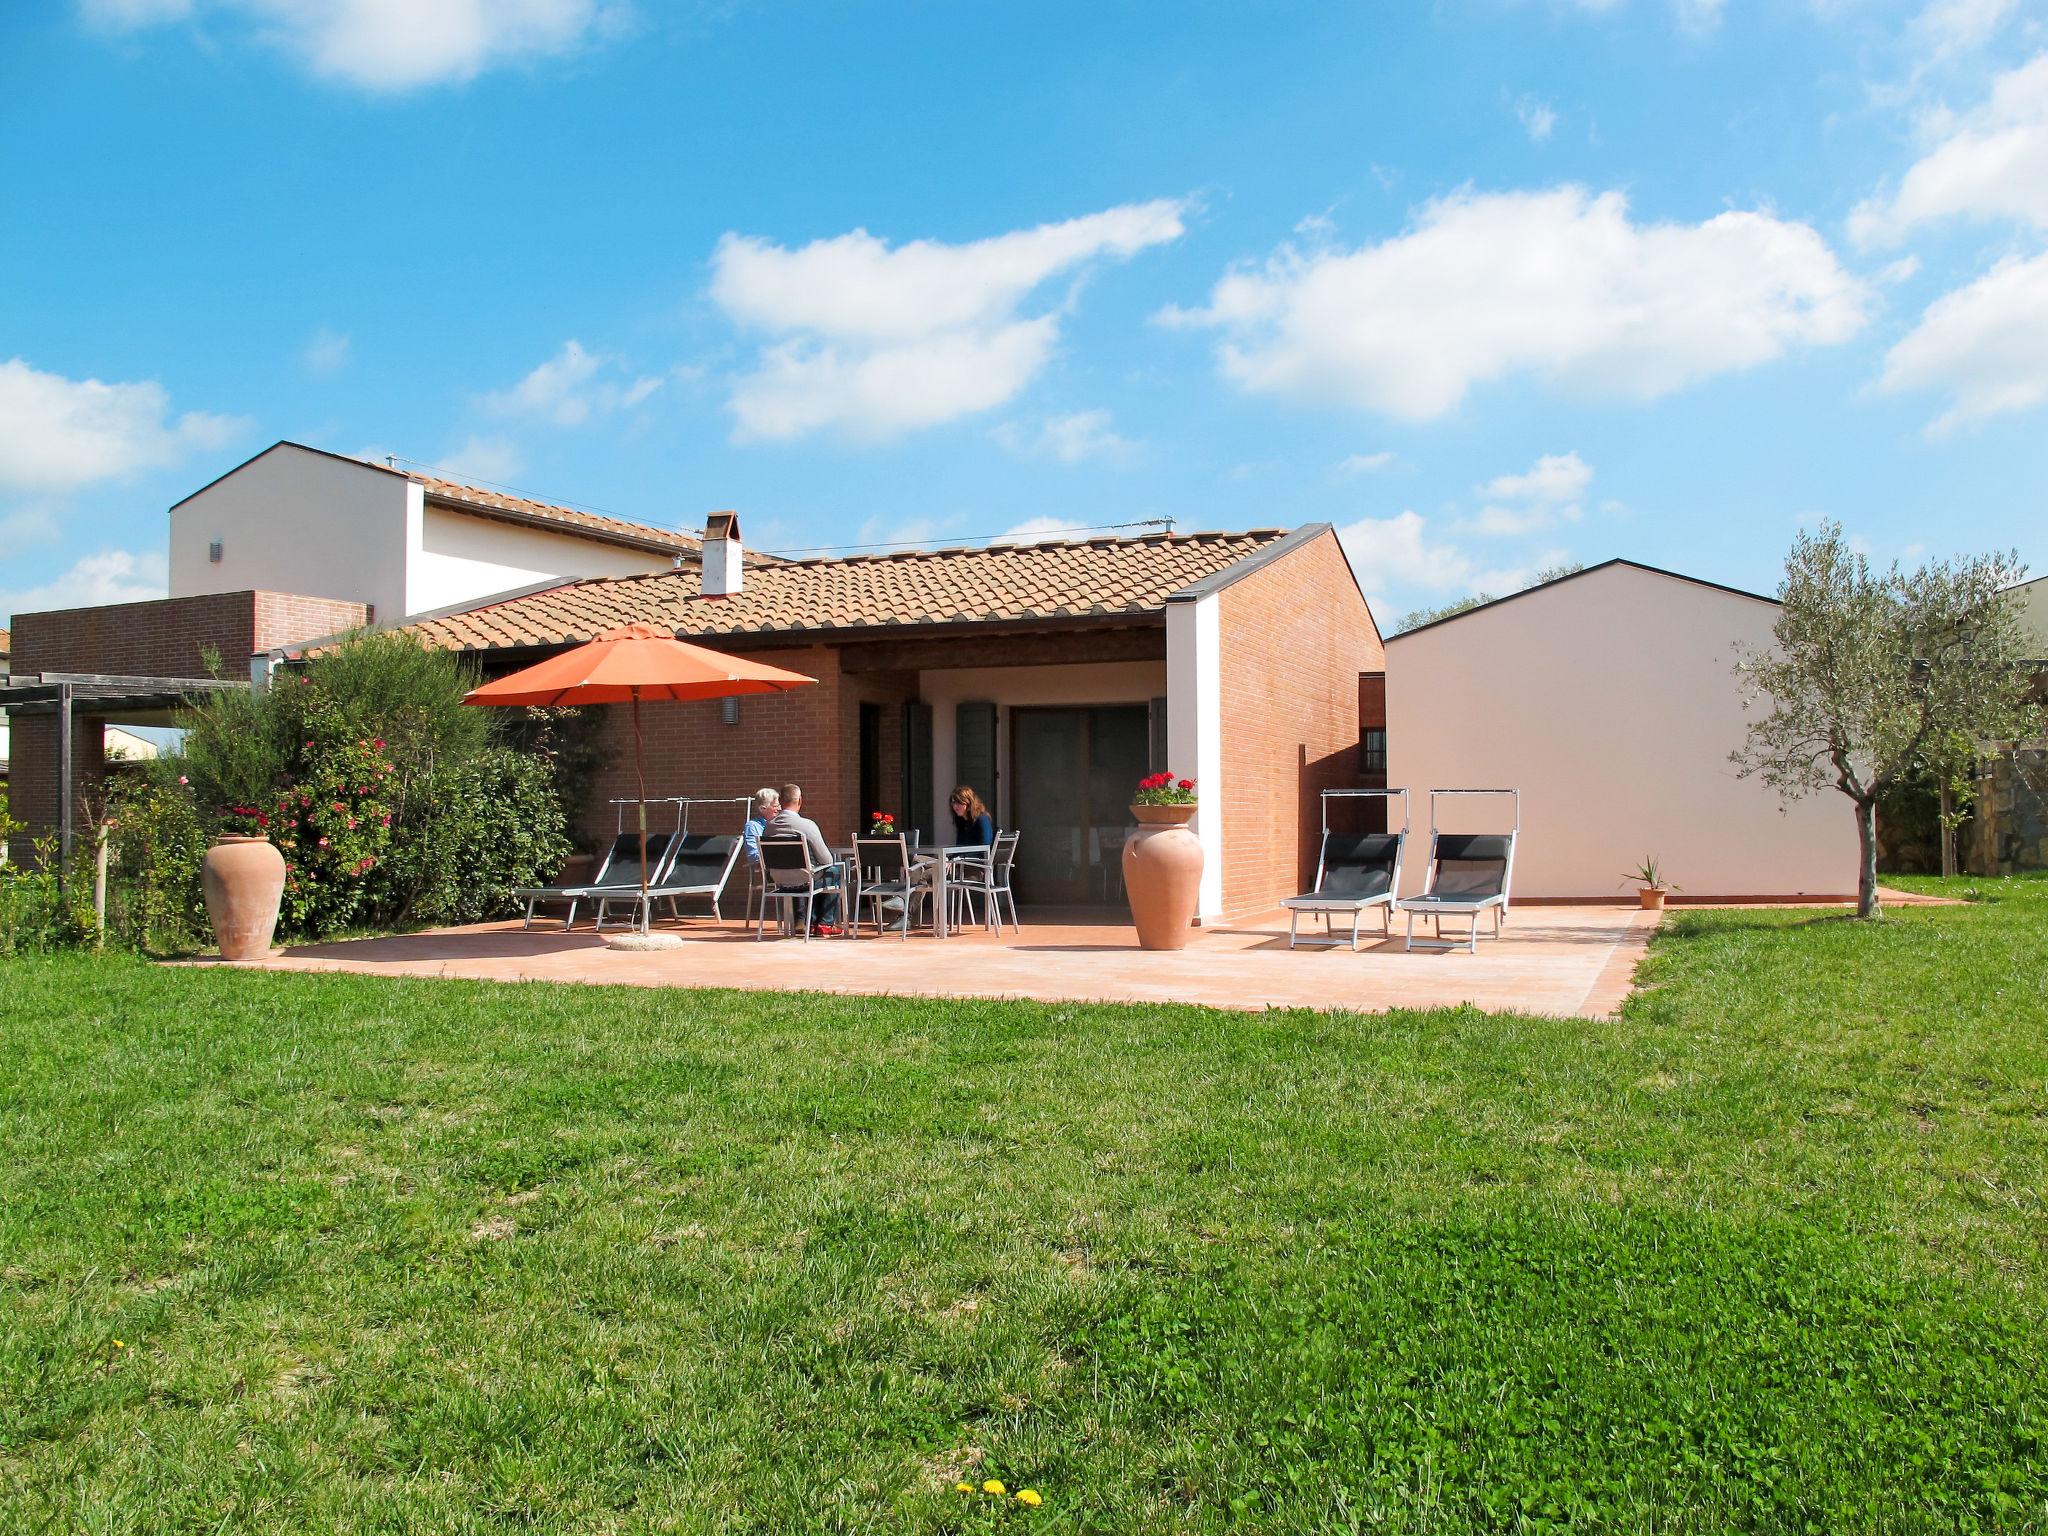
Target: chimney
724	567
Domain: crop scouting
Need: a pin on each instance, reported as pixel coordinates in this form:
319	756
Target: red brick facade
166	638
1294	637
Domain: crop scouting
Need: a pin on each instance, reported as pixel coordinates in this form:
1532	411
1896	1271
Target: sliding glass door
1072	773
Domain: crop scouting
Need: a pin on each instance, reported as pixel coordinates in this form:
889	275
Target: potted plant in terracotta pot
243	878
1162	862
1649	875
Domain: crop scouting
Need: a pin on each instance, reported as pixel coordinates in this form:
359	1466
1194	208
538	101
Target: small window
1372	749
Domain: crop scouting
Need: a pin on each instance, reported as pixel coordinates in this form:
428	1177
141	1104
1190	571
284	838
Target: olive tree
1877	676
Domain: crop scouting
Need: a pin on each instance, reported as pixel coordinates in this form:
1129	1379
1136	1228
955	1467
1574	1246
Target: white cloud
57	434
572	387
111	576
1539	118
1559	284
1549	492
1991	163
1552	480
1353	465
388	45
326	352
1037	530
1397	553
877	341
1949	27
494	460
1985	345
1071	438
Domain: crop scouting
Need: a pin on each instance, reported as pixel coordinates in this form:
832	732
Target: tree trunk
1866	872
1948	831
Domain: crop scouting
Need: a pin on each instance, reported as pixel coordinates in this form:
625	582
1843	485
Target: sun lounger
1469	875
617	873
702	865
1354	874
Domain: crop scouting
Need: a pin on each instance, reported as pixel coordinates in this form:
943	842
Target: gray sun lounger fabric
702	865
1356	873
618	872
1468	875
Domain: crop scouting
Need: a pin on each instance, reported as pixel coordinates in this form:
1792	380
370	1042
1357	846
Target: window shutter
974	747
917	767
1159	739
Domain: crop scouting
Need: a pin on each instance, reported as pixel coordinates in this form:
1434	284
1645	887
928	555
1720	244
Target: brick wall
169	637
1295	635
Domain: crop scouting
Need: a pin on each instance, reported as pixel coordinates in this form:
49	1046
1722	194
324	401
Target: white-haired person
766	803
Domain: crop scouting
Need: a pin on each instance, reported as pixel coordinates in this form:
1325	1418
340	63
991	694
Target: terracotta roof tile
482	499
1021	582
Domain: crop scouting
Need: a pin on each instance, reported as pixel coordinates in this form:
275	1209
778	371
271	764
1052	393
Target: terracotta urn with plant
1652	887
1162	862
243	878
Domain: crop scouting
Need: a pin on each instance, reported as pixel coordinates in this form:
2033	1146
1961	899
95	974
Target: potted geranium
882	824
1649	876
1162	861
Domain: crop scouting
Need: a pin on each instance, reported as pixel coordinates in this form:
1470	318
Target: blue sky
1488	283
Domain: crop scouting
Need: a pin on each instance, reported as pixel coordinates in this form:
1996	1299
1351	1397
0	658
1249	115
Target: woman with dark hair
971	820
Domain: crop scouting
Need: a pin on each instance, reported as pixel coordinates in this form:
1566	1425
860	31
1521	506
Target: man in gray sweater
791	821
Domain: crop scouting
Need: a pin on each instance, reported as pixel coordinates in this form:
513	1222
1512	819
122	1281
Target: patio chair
1469	873
618	872
701	866
884	871
988	877
1355	872
790	878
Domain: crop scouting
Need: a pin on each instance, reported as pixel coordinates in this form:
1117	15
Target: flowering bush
1164	789
333	828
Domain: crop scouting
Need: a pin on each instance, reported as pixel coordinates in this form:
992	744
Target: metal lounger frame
1357	906
660	887
1436	910
598	887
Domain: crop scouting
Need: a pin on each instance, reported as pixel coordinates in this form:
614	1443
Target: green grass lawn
294	1253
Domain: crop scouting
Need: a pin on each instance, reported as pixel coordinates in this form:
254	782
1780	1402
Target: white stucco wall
459	559
2032	600
1608	701
293	520
1194	730
1106	682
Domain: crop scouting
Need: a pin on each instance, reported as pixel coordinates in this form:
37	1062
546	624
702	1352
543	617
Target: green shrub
484	825
155	902
392	801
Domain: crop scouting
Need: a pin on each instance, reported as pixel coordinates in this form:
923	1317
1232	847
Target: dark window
1372	749
870	763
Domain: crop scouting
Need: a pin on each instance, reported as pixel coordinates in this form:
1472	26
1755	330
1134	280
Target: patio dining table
938	859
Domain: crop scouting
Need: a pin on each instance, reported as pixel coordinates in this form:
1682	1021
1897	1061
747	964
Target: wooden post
64	807
99	886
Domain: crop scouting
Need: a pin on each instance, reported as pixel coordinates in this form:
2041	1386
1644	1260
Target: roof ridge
1101	541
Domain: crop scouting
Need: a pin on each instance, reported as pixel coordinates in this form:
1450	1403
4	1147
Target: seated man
790	821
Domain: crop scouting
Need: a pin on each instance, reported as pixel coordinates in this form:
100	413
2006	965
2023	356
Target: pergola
102	695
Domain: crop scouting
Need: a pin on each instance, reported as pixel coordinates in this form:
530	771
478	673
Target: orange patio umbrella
631	663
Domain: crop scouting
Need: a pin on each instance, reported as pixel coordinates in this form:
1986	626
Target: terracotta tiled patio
1561	960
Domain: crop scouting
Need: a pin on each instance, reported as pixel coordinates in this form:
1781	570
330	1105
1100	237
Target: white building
302	520
1607	698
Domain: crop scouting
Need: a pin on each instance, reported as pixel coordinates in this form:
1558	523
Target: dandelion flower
963	1487
1029	1498
119	1345
993	1485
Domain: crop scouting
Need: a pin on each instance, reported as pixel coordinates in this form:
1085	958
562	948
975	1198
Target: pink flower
323	842
183	780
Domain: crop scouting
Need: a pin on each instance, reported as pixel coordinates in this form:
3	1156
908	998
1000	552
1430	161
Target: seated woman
971	820
766	803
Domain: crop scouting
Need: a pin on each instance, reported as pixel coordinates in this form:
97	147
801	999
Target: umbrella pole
640	781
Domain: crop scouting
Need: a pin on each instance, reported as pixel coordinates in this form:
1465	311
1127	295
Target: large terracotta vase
244	879
1163	875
